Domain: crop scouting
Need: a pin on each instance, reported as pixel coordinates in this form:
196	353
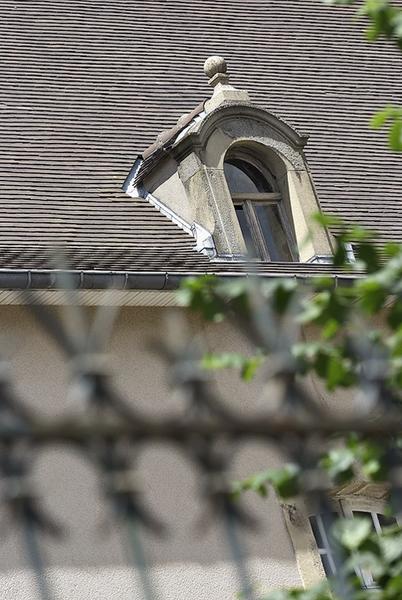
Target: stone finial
215	68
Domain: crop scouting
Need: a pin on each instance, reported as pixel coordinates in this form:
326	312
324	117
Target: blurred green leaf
326	220
285	480
352	533
339	464
248	365
395	135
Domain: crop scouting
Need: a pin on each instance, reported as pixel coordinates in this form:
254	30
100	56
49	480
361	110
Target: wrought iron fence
113	432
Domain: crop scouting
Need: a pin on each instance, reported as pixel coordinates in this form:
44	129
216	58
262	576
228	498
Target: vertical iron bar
393	457
35	558
339	583
130	520
306	457
138	553
246	589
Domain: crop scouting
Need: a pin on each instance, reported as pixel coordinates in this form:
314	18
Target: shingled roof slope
86	86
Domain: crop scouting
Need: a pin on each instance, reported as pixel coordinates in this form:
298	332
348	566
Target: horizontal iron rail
78	431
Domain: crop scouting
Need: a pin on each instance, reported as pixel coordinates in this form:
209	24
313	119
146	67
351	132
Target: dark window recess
244	178
252	250
272	231
260	214
386	521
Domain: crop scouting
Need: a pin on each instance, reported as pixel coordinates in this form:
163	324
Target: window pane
361	514
238	181
246	231
377	521
273	232
328	565
366	578
376	518
321	526
316	532
244	178
386	521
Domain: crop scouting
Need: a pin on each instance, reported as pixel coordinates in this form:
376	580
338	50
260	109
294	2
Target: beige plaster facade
90	562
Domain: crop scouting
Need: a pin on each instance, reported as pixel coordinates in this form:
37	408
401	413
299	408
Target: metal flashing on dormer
329	259
204	240
350	254
237	258
129	185
320	260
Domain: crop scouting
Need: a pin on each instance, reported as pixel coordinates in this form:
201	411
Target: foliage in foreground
357	344
353	341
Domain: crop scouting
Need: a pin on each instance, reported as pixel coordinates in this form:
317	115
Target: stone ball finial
215	69
215	65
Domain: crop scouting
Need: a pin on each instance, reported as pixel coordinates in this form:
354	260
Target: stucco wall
90	562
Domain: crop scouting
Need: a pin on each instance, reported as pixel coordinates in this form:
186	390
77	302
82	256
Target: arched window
258	206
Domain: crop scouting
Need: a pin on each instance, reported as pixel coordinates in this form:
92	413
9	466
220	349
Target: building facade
129	165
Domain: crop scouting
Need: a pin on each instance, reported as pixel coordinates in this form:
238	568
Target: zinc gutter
58	279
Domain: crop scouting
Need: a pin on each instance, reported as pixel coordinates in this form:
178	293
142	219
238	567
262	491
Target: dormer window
259	210
234	177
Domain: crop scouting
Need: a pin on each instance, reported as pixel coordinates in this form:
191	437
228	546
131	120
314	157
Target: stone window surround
187	182
200	155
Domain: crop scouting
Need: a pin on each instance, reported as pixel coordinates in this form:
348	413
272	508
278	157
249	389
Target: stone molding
193	190
276	144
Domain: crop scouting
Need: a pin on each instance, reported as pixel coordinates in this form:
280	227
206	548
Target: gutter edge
59	279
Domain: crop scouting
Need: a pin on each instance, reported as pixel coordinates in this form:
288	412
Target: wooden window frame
249	201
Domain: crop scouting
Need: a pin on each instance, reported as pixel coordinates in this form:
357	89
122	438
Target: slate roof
86	85
127	258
